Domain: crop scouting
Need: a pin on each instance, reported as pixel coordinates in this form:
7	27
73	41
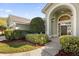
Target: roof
46	7
19	20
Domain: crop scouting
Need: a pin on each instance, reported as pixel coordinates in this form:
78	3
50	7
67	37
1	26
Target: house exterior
61	19
18	23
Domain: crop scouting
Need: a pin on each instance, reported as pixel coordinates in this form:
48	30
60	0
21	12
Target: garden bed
16	46
63	53
69	46
18	41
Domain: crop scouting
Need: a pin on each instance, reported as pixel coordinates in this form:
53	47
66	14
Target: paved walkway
52	48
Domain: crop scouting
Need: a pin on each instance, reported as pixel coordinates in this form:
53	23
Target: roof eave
46	7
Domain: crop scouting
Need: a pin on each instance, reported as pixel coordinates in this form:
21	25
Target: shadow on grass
16	43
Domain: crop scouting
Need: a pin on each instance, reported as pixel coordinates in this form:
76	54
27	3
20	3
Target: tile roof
19	20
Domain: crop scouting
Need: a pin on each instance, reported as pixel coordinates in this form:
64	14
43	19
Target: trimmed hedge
15	34
40	39
70	44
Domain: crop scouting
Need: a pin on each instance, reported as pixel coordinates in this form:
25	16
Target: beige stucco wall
22	26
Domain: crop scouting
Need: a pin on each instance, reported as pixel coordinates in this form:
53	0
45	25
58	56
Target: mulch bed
62	53
19	41
14	41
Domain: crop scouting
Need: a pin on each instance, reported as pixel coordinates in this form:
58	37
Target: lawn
16	46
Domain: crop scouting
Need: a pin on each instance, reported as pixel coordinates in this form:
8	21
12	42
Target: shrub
37	25
2	28
15	34
18	34
37	38
70	44
9	34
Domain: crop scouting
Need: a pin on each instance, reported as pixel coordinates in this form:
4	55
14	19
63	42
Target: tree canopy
37	25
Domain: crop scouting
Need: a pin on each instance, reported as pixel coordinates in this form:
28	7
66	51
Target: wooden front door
64	30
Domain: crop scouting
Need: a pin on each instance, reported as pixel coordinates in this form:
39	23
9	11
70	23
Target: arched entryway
61	20
64	25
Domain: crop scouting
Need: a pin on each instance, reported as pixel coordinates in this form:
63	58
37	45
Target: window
65	17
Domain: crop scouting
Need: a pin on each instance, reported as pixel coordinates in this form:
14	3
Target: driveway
2	38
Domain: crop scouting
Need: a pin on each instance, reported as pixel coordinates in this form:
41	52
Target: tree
3	21
37	25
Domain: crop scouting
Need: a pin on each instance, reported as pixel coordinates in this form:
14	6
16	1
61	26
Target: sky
26	10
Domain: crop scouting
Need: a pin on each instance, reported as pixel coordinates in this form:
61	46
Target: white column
74	27
47	27
73	19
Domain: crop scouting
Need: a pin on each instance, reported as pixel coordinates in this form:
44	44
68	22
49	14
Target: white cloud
8	11
5	12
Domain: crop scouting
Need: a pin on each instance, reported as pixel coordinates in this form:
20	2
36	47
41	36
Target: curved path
53	47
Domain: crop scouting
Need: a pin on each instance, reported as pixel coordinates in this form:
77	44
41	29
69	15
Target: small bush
37	38
70	44
2	28
18	34
9	34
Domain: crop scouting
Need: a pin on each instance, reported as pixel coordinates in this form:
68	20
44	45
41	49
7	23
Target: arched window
64	17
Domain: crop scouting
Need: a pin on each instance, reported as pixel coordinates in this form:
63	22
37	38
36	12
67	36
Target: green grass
6	48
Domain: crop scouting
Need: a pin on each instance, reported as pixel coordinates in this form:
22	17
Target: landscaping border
36	52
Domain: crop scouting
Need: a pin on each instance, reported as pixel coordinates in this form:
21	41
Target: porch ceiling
61	11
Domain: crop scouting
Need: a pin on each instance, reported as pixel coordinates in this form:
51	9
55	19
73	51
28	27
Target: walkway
52	48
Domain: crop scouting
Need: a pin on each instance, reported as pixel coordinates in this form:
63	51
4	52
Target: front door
64	30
